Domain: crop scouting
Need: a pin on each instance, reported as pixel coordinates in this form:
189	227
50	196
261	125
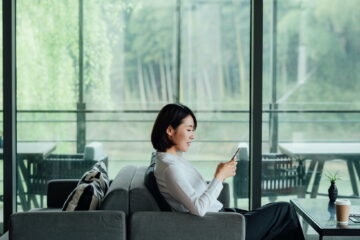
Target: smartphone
355	219
237	151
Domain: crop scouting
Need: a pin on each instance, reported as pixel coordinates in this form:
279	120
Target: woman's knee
281	205
284	207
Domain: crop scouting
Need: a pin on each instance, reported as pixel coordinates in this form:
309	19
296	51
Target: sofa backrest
117	197
58	191
151	185
140	199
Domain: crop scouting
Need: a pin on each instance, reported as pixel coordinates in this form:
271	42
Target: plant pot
331	210
333	192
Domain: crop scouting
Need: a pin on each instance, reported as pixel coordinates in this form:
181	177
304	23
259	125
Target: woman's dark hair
170	115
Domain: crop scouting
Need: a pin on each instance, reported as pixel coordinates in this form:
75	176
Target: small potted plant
332	191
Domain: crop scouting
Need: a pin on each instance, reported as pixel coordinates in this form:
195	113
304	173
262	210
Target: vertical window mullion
9	113
256	70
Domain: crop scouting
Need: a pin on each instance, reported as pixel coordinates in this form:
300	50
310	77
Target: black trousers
272	221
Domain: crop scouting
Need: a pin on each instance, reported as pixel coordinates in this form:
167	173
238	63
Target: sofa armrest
176	226
59	190
89	225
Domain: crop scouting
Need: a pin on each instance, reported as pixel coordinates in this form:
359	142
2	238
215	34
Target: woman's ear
170	131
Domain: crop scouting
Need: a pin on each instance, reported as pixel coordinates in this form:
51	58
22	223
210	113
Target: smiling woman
185	190
182	136
173	129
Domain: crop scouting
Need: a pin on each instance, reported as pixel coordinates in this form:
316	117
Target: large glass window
215	81
99	71
310	104
47	93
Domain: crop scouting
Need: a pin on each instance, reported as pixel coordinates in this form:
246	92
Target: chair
280	176
63	166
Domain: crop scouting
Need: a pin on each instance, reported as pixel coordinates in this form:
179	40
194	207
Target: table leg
356	166
318	174
320	237
350	166
302	186
305	226
309	173
25	171
23	201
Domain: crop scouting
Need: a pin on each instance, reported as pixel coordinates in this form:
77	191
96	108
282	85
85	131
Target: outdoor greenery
130	53
333	176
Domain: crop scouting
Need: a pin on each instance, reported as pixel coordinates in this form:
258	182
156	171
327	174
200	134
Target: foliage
333	176
131	53
332	50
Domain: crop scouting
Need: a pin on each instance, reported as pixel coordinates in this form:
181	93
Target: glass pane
47	93
47	50
310	104
129	54
215	83
141	54
215	54
104	74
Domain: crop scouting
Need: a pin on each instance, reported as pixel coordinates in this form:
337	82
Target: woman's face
183	135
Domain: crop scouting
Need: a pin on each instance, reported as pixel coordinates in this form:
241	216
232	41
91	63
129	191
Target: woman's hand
226	169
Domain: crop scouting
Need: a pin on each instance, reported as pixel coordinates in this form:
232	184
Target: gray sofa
129	211
108	223
147	222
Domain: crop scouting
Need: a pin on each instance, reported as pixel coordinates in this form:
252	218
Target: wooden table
321	215
27	153
318	153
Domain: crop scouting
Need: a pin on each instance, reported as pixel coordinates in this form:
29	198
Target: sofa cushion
180	226
117	197
139	196
59	190
86	196
90	190
151	185
99	174
87	225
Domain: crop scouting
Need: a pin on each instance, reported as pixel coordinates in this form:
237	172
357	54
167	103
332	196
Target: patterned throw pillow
90	190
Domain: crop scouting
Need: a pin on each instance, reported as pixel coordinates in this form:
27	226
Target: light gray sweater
184	188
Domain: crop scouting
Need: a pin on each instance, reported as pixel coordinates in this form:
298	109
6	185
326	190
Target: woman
186	191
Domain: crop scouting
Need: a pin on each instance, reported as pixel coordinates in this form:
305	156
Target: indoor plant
332	191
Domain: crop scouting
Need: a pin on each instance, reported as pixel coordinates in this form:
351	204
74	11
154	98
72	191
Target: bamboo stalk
141	84
163	80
